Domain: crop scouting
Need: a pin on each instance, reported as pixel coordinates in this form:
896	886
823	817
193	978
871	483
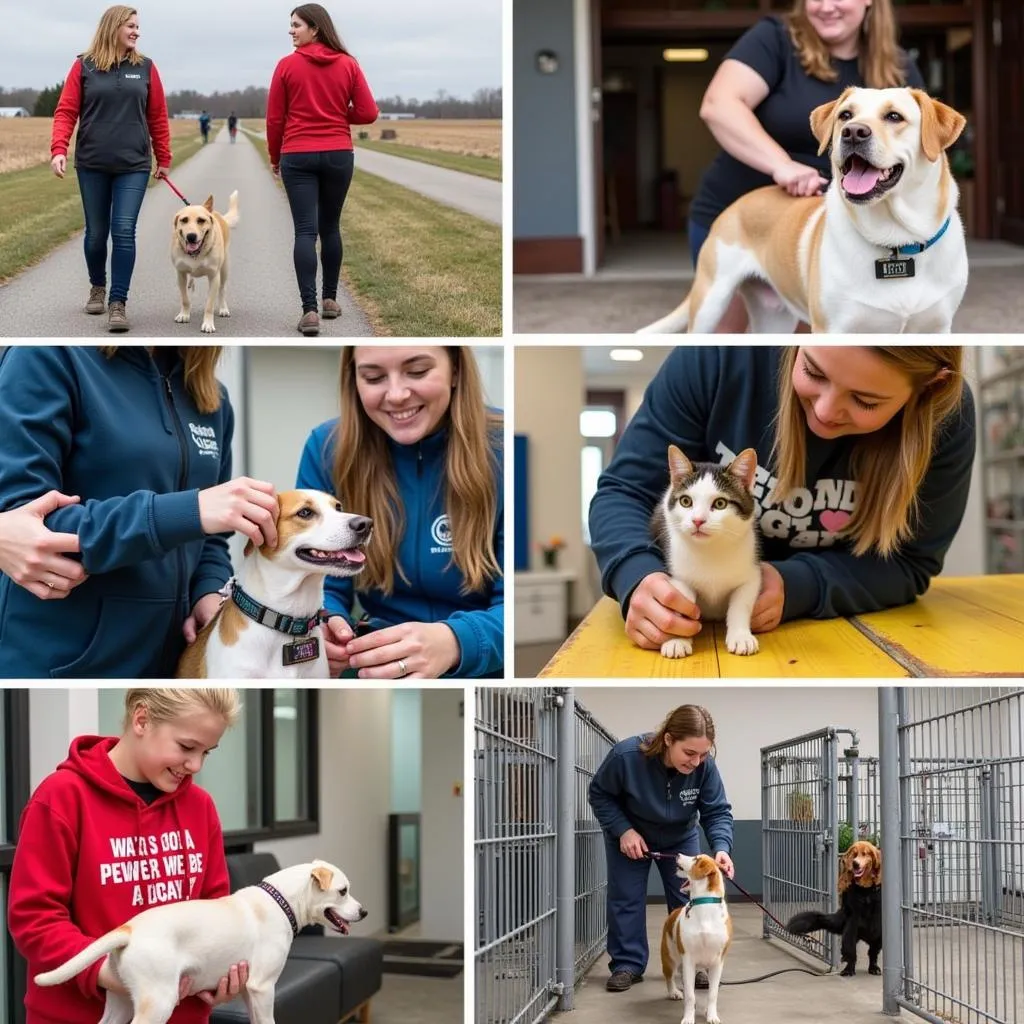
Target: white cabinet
542	606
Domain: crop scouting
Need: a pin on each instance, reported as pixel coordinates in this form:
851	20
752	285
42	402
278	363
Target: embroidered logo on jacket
134	76
441	534
807	519
689	796
205	439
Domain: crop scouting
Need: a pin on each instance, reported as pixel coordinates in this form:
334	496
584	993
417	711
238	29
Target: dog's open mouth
338	923
863	181
193	248
343	559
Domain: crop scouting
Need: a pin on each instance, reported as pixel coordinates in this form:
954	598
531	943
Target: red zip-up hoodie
90	856
315	96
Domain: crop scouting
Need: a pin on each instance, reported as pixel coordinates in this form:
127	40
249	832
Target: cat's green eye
718	504
686	501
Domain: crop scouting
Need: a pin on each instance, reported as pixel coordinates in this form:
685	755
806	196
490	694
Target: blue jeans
111	203
627	900
697	235
317	184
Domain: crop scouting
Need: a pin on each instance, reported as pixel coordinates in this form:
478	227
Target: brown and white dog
697	936
269	627
882	251
199	248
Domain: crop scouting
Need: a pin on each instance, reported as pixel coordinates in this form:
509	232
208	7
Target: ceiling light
626	355
693	54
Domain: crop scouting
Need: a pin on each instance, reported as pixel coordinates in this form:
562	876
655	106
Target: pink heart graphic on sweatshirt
834	521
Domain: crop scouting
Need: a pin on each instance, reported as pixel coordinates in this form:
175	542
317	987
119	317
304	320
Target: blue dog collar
265	616
915	247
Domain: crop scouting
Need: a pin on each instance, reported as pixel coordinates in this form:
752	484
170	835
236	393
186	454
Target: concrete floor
414	999
648	273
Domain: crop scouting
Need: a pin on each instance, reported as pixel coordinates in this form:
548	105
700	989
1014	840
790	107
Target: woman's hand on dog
427	650
336	636
724	861
203	610
32	555
767	613
229	986
243	504
799	180
657	612
632	845
59	164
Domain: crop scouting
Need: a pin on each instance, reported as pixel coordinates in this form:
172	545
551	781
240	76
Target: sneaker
622	980
331	310
117	318
309	325
701	980
97	300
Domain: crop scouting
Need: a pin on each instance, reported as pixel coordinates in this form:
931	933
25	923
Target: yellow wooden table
972	626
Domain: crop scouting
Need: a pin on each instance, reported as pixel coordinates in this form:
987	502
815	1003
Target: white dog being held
246	638
882	252
203	938
697	936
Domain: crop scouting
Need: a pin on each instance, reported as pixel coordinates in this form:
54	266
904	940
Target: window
601	423
292	766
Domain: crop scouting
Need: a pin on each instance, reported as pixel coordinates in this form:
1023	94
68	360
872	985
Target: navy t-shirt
785	113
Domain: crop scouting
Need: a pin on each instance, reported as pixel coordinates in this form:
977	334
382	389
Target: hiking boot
701	980
97	300
331	310
310	323
622	980
117	318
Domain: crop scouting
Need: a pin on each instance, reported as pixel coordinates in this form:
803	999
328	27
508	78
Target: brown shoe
97	300
331	310
310	323
622	980
117	318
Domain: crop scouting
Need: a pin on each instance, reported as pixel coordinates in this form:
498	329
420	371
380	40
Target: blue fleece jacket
424	552
715	401
129	440
632	790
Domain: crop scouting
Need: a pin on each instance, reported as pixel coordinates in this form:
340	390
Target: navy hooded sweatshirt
713	402
632	790
128	439
433	593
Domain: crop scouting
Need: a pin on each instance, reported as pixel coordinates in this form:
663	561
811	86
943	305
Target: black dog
860	909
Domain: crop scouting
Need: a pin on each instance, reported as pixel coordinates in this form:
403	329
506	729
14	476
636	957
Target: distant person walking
316	95
232	126
115	96
204	126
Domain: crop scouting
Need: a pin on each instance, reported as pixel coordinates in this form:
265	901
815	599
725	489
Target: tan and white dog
697	936
203	938
882	251
269	625
199	248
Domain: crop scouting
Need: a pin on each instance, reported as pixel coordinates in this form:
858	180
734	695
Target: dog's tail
814	920
675	322
105	944
231	217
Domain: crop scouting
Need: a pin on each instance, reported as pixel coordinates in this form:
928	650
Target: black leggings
317	184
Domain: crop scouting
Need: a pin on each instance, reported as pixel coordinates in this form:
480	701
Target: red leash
175	190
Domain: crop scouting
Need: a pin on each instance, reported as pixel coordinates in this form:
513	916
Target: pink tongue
860	178
354	555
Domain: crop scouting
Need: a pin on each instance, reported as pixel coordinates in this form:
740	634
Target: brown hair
104	51
888	464
166	704
879	54
685	722
317	18
364	477
200	373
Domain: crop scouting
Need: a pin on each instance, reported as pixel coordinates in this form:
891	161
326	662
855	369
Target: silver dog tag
892	269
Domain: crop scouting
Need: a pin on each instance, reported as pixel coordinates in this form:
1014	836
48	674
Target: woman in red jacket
115	95
117	828
316	95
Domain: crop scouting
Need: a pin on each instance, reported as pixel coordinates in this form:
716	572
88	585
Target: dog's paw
741	643
208	327
674	993
848	971
223	311
713	1018
183	317
677	647
874	969
688	1018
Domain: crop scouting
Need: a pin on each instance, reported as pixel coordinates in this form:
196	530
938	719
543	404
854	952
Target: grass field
37	210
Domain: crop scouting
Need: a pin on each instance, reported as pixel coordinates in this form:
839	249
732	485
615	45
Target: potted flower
549	549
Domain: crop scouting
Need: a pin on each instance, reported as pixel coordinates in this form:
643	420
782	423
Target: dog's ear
322	876
940	125
876	861
249	547
209	203
823	120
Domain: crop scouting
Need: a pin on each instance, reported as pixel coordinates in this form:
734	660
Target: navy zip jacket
424	552
632	790
715	401
129	440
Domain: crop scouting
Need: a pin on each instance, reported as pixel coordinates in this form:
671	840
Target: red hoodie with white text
91	855
315	96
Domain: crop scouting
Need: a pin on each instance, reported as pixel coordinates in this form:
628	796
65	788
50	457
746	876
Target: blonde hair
686	722
364	477
167	704
104	51
879	54
888	464
200	373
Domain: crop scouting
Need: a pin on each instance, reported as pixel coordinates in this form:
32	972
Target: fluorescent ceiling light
626	355
693	54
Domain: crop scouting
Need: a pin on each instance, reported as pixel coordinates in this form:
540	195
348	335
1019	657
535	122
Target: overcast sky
410	48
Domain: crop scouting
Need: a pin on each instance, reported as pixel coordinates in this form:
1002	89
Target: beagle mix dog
203	938
270	624
697	936
882	251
